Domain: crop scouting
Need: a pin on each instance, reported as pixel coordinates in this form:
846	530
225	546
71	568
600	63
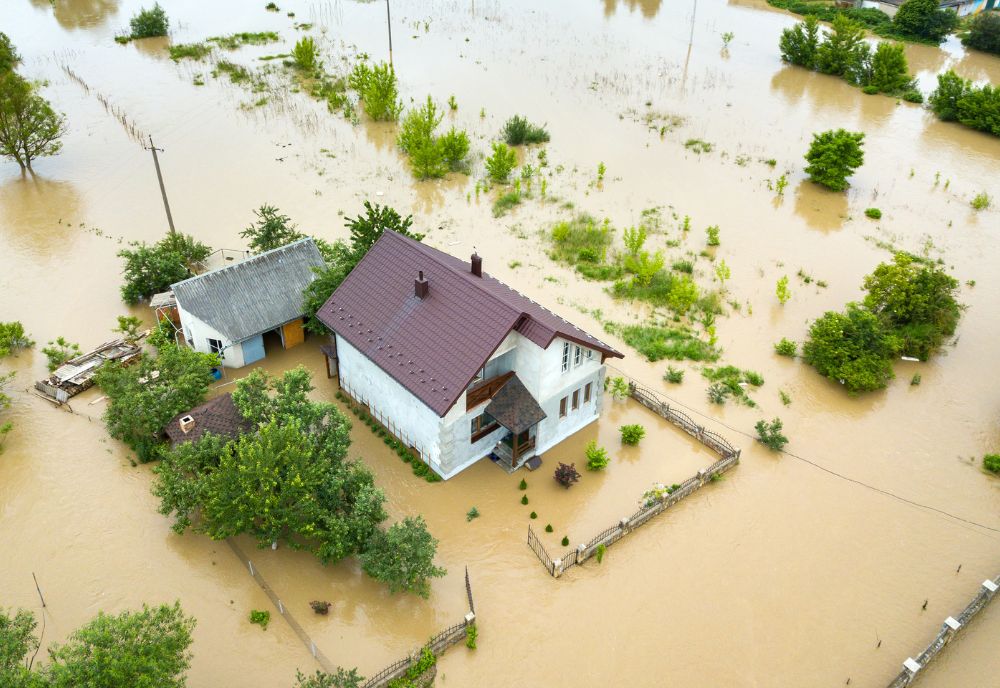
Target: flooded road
783	574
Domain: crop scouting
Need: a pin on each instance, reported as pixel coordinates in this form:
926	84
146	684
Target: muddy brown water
780	575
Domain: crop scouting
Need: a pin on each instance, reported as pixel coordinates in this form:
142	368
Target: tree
144	396
144	649
844	49
770	435
341	678
8	54
272	230
403	557
782	291
889	70
833	156
800	43
13	337
377	86
925	19
950	91
984	33
149	23
916	301
980	109
29	127
501	163
152	269
17	643
852	347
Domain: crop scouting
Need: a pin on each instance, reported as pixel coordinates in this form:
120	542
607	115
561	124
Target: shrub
13	337
698	146
454	145
713	235
597	457
523	485
379	91
915	380
769	434
524	499
799	44
260	617
472	513
873	213
501	163
913	96
785	347
784	396
150	23
870	90
718	393
518	130
549	528
657	342
951	90
471	633
781	290
600	552
305	54
631	434
984	33
685	266
673	375
152	269
59	351
566	474
889	71
193	51
925	19
981	201
833	156
505	203
844	50
565	541
320	607
754	378
853	348
991	462
534	515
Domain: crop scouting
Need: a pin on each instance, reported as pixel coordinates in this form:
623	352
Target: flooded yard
789	572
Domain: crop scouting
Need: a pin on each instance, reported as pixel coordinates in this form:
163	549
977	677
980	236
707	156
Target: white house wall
197	332
554	384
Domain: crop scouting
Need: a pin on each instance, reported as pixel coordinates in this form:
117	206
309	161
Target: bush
853	348
518	130
13	337
305	54
565	541
673	375
925	19
889	71
753	377
566	474
785	347
454	145
534	515
657	342
873	213
549	528
713	235
379	91
260	617
193	51
505	203
597	457
991	462
523	484
844	50
59	351
524	499
951	90
984	33
472	514
980	201
471	633
870	90
799	44
631	434
501	163
769	434
600	552
150	23
833	156
913	96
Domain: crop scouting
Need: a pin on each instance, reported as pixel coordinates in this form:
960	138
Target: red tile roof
435	345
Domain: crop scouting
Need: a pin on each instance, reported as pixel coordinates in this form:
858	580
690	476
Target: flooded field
783	574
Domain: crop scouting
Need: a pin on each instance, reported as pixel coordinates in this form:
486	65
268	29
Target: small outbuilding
229	311
218	416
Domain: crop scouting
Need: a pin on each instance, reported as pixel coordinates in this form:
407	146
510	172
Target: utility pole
163	190
388	23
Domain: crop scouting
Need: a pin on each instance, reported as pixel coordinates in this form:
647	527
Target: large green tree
916	301
271	230
853	347
844	49
889	70
151	269
29	127
984	32
925	19
951	89
833	156
17	644
403	557
143	396
800	43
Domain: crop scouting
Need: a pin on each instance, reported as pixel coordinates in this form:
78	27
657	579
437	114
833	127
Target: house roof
434	346
514	407
218	416
255	295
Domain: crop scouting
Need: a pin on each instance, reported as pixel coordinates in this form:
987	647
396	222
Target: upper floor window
577	356
565	357
590	354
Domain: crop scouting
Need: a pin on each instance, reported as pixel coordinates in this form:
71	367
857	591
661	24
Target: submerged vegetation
147	23
431	155
956	100
378	89
729	381
928	24
518	130
152	269
834	156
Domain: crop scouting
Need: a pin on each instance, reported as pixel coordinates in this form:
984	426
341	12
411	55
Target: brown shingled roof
514	407
435	345
218	416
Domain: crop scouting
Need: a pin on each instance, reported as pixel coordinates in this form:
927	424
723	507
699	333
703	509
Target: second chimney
477	265
420	286
187	424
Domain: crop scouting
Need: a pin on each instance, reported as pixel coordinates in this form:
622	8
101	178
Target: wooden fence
729	457
951	628
438	644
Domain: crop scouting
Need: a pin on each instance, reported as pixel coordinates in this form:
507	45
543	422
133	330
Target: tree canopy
403	557
152	269
271	230
851	347
29	127
833	157
984	32
925	19
9	58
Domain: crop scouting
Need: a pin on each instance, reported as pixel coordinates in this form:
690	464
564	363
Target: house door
253	349
523	443
292	334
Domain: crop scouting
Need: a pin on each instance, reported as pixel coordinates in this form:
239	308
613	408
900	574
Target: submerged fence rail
952	627
437	644
730	456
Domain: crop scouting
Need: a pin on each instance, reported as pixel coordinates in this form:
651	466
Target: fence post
581	553
557	568
623	524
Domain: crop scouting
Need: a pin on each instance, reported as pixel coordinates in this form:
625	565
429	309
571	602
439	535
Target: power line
832	472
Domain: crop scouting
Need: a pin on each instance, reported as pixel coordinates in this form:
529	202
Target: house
218	416
231	310
456	364
963	8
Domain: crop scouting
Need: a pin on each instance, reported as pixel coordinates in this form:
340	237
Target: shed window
215	345
565	357
586	393
562	407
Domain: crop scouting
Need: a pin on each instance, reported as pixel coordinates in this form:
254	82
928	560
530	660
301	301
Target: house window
482	425
565	357
562	407
577	356
479	376
576	399
590	354
215	346
586	393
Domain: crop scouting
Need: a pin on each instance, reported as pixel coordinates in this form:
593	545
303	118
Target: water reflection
821	209
38	214
649	8
79	14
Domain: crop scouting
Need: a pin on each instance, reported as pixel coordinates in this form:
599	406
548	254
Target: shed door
253	349
292	334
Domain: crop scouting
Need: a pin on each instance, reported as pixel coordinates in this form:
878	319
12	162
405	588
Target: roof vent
187	424
420	286
477	265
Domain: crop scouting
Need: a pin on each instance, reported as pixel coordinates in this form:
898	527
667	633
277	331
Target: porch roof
514	407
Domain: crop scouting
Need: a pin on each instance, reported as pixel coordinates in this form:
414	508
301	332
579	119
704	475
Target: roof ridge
247	261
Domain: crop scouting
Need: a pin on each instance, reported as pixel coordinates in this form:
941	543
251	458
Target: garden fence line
949	630
655	504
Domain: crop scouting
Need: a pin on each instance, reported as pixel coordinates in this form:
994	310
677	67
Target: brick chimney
477	265
420	286
187	424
